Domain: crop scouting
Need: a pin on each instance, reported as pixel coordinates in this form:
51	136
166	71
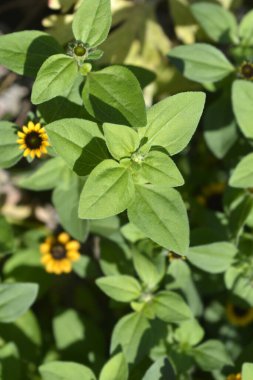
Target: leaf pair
114	186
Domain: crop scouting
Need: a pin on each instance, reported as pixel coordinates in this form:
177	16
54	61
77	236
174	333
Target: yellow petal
21	134
43	149
20	141
45	248
25	129
31	126
73	245
38	153
22	147
37	127
45	259
73	255
66	266
63	237
32	153
27	152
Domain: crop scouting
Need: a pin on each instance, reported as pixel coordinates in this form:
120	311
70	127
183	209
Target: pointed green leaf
211	355
92	21
10	153
218	23
24	52
131	336
65	371
108	191
65	199
121	141
158	167
161	370
114	95
160	213
246	29
247	371
55	77
170	307
173	121
201	62
242	97
120	288
79	142
115	369
214	257
15	300
46	176
242	176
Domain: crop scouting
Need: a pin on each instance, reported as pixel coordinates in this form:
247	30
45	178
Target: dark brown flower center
247	70
240	312
58	252
33	140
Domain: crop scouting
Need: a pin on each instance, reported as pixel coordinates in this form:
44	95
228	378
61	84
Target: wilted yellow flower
239	316
33	140
246	70
58	253
237	376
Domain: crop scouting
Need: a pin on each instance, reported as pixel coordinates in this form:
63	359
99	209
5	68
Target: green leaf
107	192
92	21
220	128
150	268
65	371
9	148
55	77
158	167
46	177
189	333
239	283
201	62
120	288
183	280
15	300
161	370
6	237
242	98
121	141
211	355
115	369
24	52
10	364
214	257
170	307
246	29
68	329
79	142
65	199
131	336
247	370
242	176
160	213
114	95
218	23
132	233
173	121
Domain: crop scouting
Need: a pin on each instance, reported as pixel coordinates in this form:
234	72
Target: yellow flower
246	70
237	376
58	253
239	316
33	140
